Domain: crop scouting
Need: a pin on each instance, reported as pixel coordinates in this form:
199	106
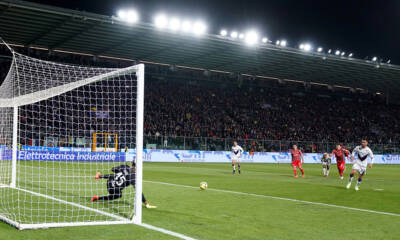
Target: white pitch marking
121	219
178	235
282	198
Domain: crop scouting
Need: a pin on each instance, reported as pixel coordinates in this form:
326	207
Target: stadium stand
180	104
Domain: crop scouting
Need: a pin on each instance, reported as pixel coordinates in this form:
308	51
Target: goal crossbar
51	92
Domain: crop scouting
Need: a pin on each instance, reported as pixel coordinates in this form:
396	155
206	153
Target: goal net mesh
48	114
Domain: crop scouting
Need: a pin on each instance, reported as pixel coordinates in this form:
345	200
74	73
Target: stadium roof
41	26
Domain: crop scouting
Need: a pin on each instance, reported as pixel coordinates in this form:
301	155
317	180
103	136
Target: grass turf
222	215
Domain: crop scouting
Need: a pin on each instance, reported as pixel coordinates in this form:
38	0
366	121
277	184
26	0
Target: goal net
49	114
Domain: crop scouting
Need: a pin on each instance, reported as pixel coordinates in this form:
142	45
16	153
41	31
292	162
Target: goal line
119	219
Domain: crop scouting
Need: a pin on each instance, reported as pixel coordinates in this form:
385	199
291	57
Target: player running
360	166
297	160
326	164
235	156
123	177
340	154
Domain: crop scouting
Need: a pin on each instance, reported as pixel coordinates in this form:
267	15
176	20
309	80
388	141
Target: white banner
154	155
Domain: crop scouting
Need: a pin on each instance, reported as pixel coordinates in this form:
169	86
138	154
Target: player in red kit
297	160
340	154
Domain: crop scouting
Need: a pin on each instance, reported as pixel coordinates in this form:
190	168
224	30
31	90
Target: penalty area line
281	198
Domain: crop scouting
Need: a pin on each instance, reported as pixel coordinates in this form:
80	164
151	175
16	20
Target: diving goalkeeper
123	177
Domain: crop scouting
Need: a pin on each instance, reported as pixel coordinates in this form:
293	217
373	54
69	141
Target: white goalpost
49	113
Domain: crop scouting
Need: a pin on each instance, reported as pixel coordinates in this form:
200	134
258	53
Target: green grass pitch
214	214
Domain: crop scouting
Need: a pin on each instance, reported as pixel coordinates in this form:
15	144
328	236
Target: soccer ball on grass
203	186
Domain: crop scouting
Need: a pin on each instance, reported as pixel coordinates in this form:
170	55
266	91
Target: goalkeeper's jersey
123	177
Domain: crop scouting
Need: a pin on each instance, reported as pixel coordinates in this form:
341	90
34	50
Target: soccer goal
49	113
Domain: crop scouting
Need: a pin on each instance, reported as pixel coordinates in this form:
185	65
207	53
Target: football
203	185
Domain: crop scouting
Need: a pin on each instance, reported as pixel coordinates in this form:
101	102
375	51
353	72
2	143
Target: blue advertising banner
154	155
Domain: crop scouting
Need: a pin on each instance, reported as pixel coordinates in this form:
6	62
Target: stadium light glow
374	59
199	28
223	32
342	54
234	34
330	51
337	53
174	24
351	54
241	36
277	42
161	21
305	46
320	49
186	26
388	61
264	40
129	16
283	43
251	37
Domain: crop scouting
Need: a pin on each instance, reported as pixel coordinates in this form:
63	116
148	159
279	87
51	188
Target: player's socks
302	172
95	198
234	169
327	173
295	172
351	177
350	180
324	171
359	181
239	168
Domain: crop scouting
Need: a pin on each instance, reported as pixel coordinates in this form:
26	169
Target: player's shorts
235	158
326	164
296	163
340	164
360	167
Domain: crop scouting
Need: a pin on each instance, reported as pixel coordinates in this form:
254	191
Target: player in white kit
235	156
360	166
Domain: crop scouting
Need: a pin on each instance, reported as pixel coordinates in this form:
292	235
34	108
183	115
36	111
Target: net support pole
14	148
137	217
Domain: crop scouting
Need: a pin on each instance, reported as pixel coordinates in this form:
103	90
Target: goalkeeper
123	177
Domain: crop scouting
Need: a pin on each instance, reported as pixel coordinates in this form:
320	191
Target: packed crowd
174	109
240	111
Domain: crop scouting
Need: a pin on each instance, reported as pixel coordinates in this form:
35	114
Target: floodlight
174	24
264	40
283	43
330	51
374	59
319	49
251	37
161	21
223	32
388	62
301	46
199	28
351	54
342	54
234	34
337	52
277	42
241	36
186	26
130	16
307	47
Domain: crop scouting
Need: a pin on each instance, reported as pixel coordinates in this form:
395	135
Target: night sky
364	27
